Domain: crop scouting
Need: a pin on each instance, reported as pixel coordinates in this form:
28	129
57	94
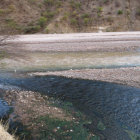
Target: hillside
64	16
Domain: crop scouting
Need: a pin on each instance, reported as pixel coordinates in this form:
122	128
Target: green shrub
42	21
75	5
100	9
2	11
46	30
58	3
49	2
106	1
49	14
12	8
73	21
11	23
85	15
86	21
74	14
138	12
120	12
31	29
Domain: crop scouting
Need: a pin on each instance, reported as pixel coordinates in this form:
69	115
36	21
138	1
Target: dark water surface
117	106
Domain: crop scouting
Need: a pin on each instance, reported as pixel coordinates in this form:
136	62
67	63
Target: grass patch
31	29
120	12
132	135
3	55
101	126
42	21
62	129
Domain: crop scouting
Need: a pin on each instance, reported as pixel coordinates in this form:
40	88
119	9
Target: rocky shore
125	76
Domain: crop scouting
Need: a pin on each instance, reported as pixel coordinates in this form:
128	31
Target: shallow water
4	108
117	106
70	60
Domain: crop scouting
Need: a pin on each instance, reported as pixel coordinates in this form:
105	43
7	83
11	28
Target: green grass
42	21
3	55
62	129
120	12
31	29
132	135
101	126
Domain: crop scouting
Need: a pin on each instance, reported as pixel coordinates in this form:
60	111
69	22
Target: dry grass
4	135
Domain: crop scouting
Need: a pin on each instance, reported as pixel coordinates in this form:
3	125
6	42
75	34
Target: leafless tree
5	35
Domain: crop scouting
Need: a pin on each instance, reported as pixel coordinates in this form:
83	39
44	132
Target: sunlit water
71	60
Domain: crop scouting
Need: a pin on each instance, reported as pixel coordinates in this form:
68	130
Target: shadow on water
117	106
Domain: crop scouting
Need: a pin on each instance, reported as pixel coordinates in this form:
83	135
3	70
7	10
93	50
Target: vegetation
62	129
138	12
120	12
75	14
4	135
42	21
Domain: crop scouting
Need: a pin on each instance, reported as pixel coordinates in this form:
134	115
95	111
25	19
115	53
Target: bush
138	12
11	23
85	15
73	21
49	15
86	21
75	5
2	11
106	1
31	29
100	9
46	30
42	21
58	3
49	2
120	12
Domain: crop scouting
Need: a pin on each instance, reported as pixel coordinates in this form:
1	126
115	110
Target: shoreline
125	76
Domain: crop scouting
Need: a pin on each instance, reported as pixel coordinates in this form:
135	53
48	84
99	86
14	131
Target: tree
5	35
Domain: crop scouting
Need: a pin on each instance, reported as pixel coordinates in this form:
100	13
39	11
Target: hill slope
64	16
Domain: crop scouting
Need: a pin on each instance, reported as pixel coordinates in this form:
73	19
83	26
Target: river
117	106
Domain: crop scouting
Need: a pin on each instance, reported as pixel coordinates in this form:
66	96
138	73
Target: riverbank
126	76
46	117
4	135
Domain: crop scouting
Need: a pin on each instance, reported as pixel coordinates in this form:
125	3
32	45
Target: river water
37	61
116	106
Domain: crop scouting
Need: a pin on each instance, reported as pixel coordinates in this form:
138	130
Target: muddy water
117	106
70	60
